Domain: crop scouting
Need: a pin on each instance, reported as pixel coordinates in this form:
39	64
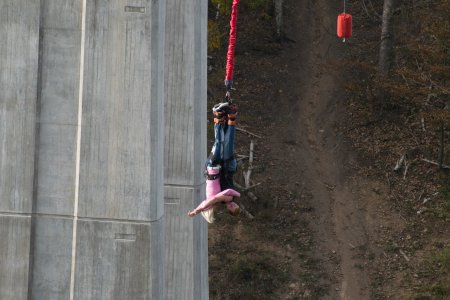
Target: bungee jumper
221	163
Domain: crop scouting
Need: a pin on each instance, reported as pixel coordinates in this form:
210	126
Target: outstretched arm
209	203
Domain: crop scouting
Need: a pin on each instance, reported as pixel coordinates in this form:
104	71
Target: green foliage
442	259
214	36
441	289
255	4
443	210
437	276
224	6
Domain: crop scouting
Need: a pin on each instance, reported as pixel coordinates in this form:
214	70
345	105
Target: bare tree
387	38
278	15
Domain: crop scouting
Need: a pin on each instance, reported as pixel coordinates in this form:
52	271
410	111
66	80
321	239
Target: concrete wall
185	149
82	158
19	36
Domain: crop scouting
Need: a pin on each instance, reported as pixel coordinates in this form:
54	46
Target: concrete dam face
102	145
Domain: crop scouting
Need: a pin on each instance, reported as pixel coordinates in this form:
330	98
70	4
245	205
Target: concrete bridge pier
185	149
102	142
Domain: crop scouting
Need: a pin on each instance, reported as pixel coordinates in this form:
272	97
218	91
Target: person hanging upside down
214	197
221	165
206	208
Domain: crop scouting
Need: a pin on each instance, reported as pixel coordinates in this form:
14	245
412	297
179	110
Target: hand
192	213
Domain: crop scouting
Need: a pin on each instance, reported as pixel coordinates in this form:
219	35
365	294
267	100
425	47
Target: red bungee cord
231	45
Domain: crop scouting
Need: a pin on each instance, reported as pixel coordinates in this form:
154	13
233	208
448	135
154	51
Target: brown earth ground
320	223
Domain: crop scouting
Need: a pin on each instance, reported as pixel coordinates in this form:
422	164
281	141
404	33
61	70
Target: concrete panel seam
111	220
54	123
15	215
59	28
190	187
70	217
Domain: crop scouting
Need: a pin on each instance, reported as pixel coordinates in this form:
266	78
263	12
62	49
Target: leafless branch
245	211
406	169
248	132
250	187
435	163
404	255
250	166
399	163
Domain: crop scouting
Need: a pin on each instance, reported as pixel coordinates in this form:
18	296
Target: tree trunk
441	148
387	38
278	15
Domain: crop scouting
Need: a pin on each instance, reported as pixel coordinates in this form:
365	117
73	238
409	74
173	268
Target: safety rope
230	53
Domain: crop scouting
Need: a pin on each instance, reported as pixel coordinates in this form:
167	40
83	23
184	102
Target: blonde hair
208	215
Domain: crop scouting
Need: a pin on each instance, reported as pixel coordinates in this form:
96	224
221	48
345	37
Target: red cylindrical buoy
344	25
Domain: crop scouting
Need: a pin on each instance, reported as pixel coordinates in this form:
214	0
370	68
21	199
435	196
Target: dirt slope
311	109
309	237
